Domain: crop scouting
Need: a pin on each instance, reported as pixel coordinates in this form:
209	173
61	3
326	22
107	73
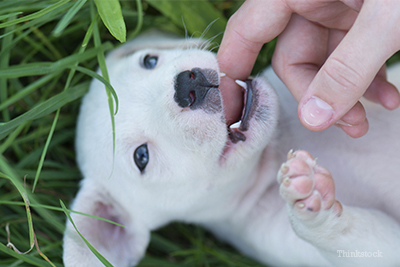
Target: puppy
176	159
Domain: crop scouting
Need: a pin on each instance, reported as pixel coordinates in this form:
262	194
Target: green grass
49	50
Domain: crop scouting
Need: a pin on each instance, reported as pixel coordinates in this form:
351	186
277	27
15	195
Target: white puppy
176	160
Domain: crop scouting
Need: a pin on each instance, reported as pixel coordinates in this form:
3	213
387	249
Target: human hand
329	54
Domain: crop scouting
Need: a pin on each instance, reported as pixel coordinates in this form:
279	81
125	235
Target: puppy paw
307	187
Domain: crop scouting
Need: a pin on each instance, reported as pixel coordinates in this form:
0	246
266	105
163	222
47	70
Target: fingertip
316	114
383	92
232	99
356	131
390	97
355	116
354	123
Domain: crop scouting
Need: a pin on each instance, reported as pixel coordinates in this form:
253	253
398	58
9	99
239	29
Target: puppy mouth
236	130
244	117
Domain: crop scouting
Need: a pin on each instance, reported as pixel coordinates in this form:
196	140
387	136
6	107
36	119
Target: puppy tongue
232	97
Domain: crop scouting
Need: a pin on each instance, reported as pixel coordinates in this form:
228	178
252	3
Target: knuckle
342	75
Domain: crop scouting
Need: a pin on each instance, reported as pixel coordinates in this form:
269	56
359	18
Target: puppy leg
346	236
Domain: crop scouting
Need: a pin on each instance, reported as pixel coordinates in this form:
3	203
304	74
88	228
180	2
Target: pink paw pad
306	186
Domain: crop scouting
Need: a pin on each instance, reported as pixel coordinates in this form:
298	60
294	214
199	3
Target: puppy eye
141	157
150	62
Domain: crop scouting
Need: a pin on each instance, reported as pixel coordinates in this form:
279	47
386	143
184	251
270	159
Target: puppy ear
120	246
159	40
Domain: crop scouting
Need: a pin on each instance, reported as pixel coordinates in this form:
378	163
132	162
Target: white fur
235	194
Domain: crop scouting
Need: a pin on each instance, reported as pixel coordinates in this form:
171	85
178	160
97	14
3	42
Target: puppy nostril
192	96
192	75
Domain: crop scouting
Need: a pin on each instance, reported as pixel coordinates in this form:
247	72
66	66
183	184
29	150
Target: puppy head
175	157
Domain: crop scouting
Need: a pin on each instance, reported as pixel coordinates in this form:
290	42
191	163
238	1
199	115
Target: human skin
329	54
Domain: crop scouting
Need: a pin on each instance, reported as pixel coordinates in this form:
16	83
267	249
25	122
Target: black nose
192	86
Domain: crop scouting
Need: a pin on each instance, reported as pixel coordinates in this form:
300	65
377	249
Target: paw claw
290	154
286	181
284	168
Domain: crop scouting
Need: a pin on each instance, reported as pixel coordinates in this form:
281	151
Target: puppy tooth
235	125
221	74
290	154
241	84
284	168
286	181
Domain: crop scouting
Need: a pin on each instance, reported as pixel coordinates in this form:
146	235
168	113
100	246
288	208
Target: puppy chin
208	129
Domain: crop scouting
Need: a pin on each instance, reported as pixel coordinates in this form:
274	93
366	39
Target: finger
255	23
335	37
232	98
355	131
332	14
354	117
383	92
354	123
297	64
300	51
351	68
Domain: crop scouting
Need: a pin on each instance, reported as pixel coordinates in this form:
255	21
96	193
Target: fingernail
341	122
316	112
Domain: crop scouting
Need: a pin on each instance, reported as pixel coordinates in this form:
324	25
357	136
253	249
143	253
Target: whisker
206	45
184	26
208	28
215	47
209	44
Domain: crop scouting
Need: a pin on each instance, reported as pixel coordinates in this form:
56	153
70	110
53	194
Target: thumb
351	68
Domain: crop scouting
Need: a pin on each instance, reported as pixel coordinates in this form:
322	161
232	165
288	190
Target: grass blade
25	258
46	147
52	129
34	15
110	90
139	24
61	210
104	71
42	68
27	90
11	15
111	15
32	236
95	252
4	63
63	23
45	108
